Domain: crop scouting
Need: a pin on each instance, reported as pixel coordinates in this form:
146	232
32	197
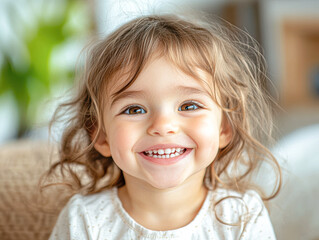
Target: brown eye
191	106
134	110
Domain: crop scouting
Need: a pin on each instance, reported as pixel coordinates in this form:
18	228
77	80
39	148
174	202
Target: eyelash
141	110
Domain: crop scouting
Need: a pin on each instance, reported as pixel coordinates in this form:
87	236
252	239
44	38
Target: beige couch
23	214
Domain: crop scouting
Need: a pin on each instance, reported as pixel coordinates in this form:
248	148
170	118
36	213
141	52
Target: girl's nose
162	125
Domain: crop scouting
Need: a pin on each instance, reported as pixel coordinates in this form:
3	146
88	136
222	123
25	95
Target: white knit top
102	216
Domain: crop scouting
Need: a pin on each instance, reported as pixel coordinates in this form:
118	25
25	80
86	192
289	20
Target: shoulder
249	194
82	214
92	200
93	206
242	214
249	200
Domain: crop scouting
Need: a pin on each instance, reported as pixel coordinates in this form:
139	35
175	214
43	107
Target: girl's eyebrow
191	90
126	94
180	90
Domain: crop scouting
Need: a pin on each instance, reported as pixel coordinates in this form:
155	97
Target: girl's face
164	129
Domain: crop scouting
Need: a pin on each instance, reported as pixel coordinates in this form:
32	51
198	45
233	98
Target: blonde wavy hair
228	55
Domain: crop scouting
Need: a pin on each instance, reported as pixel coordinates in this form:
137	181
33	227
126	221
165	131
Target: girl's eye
134	110
190	106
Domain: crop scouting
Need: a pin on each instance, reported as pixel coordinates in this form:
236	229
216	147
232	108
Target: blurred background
40	41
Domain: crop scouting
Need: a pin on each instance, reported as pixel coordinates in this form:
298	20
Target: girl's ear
101	144
226	133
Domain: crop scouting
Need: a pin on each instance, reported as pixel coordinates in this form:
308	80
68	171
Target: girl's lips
166	161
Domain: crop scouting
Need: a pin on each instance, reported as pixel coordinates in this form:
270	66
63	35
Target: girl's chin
164	181
169	181
177	179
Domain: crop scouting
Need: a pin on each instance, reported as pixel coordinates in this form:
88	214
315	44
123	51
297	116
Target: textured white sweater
102	216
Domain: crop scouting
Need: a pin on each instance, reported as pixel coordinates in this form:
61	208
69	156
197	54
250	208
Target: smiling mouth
165	153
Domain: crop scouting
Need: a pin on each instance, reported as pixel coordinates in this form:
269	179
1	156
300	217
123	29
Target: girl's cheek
207	128
206	134
123	137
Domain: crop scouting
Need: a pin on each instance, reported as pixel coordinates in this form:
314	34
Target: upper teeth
167	152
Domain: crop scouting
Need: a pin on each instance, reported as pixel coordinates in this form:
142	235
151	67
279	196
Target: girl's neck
167	209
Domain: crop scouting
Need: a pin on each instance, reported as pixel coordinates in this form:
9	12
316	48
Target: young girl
164	135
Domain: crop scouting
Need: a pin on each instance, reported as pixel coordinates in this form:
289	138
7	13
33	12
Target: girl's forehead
128	78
